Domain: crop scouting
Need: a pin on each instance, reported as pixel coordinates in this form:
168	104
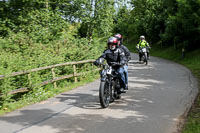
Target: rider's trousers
121	72
126	73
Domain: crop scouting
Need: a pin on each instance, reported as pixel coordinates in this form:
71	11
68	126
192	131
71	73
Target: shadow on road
80	110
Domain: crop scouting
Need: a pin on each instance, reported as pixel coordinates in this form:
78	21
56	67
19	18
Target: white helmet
142	37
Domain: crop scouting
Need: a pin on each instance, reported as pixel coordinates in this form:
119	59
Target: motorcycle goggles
112	46
112	43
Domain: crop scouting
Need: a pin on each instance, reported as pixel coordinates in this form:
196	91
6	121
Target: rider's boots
122	90
148	58
126	87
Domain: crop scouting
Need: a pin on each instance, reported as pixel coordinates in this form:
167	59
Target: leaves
165	20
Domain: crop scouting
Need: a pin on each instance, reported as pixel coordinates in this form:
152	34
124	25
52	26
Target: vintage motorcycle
110	85
143	52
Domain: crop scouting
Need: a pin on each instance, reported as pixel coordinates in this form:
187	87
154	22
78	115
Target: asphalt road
159	95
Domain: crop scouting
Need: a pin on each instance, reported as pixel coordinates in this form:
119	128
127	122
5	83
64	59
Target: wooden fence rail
75	74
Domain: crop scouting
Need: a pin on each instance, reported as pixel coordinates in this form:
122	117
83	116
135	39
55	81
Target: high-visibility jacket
143	44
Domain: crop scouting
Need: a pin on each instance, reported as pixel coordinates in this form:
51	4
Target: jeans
121	72
126	73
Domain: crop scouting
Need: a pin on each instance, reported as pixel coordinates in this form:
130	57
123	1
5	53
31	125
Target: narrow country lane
159	94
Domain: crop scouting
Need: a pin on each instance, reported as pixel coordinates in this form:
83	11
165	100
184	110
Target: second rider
127	55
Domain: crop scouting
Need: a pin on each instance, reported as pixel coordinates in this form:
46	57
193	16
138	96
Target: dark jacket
126	51
116	55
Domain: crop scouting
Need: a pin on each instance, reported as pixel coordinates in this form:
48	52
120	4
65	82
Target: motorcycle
109	89
143	52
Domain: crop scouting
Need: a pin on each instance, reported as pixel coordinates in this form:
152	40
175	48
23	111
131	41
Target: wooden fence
28	72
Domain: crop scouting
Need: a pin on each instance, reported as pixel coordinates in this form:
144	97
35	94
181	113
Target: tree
185	24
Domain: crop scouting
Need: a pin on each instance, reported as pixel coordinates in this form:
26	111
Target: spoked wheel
145	58
104	94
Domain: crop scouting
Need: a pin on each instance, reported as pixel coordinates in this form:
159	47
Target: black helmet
112	43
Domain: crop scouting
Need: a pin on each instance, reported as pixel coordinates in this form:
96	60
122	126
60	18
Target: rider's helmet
142	37
119	37
112	43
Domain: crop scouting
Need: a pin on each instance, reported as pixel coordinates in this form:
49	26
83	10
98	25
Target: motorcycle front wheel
104	94
145	58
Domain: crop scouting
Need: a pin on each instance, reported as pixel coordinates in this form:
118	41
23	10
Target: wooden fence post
29	79
29	72
92	66
75	78
54	76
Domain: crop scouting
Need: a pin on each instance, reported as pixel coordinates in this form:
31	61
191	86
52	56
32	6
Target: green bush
20	53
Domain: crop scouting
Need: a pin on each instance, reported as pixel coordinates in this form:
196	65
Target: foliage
40	33
174	25
17	56
171	21
50	17
121	25
185	24
97	18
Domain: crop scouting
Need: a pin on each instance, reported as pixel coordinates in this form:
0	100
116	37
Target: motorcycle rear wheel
117	94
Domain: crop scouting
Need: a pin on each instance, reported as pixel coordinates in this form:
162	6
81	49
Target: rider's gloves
96	63
115	63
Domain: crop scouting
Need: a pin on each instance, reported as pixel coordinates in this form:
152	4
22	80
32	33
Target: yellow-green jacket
143	44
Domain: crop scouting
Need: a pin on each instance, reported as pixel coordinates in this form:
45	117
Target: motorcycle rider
127	54
115	57
143	43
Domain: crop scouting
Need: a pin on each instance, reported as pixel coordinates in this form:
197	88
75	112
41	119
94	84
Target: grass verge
192	61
